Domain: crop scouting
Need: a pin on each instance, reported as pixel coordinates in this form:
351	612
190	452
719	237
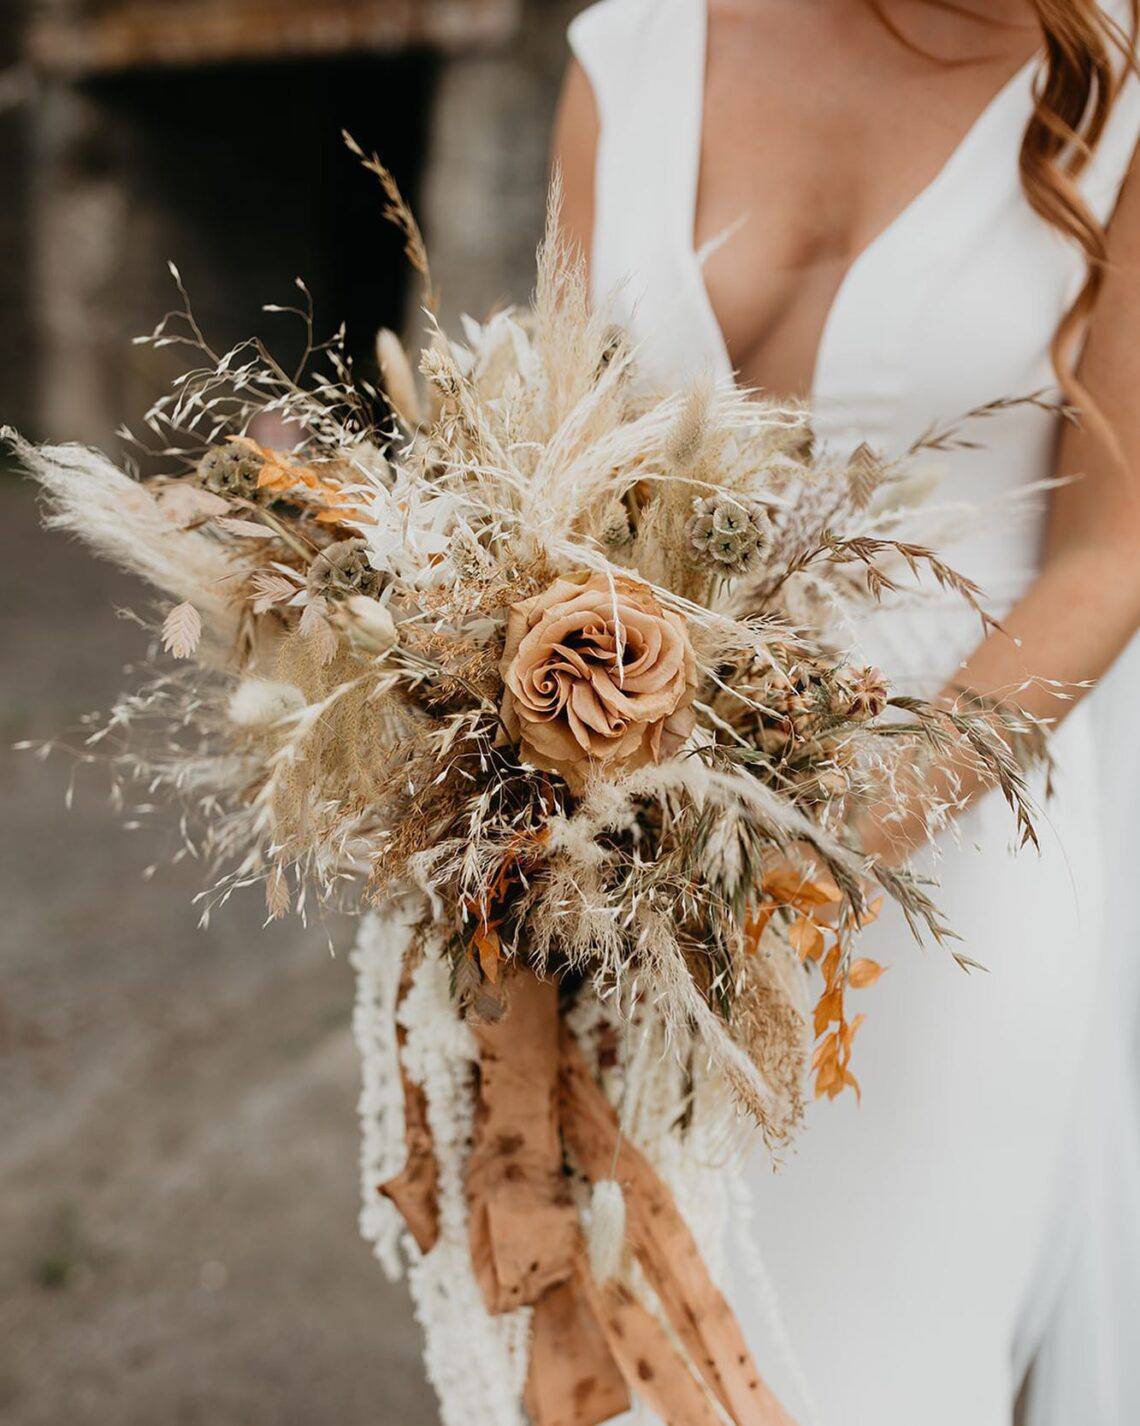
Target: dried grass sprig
399	214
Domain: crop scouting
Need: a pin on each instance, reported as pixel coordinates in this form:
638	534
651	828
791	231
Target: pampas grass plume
605	1237
399	380
257	702
687	437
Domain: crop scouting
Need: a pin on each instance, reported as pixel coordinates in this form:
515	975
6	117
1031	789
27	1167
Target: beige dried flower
616	528
468	558
799	699
368	623
869	692
597	673
257	702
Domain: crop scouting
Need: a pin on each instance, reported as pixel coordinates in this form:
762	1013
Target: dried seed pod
232	470
868	695
798	702
727	535
344	568
368	623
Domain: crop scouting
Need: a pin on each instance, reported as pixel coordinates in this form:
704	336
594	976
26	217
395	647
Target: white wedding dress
982	1207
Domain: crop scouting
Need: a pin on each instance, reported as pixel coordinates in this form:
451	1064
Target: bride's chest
771	210
807	169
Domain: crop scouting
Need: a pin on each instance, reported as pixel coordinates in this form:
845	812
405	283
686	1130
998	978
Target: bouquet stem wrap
523	1226
594	1345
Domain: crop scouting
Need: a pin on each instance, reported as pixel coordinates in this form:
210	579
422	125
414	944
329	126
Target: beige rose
597	673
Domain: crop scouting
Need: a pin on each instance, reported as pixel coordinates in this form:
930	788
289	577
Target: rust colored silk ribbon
593	1344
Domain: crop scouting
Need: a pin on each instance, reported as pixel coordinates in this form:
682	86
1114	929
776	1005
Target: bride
902	210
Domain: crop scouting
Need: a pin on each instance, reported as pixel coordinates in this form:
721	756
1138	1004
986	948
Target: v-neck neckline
873	250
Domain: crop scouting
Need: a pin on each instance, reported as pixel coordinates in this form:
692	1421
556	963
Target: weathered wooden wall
238	175
484	193
84	37
236	172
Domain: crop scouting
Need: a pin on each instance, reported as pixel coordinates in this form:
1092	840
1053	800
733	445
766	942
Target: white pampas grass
605	1233
88	496
259	702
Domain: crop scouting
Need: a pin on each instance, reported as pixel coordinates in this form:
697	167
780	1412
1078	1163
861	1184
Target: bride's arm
575	150
1084	606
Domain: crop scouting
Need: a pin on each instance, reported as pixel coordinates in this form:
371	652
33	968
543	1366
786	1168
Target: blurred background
178	1140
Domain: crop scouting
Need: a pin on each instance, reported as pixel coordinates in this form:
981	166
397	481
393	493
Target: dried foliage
340	732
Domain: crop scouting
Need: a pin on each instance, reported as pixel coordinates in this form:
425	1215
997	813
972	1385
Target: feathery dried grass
342	734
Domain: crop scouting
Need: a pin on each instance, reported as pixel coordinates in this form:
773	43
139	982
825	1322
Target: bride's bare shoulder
575	150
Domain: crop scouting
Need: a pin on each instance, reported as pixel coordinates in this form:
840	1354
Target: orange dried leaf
863	973
806	939
829	1081
791	887
490	948
870	914
826	1050
848	1032
828	1008
756	925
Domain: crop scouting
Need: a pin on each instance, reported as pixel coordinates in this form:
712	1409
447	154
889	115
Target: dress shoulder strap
605	40
645	60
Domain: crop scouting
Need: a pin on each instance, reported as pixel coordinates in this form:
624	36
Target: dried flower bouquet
549	667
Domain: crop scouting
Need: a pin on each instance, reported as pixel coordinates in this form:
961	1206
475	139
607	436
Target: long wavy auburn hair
1088	55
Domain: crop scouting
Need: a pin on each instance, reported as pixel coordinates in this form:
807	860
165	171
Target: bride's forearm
1063	634
1085	604
1057	641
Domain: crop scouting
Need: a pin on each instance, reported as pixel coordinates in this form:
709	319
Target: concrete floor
177	1128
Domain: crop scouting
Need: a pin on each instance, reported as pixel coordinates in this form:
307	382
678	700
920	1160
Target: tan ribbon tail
695	1307
573	1378
648	1360
523	1227
415	1189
